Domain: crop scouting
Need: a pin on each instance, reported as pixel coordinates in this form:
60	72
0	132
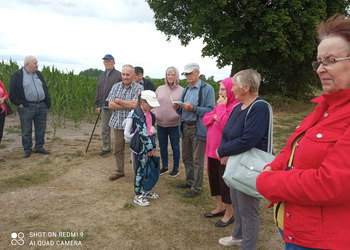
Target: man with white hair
29	92
197	99
122	98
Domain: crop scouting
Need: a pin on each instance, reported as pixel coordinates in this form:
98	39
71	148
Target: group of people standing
307	182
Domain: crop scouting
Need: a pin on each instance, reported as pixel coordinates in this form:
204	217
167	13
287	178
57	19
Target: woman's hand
175	106
224	160
221	100
2	100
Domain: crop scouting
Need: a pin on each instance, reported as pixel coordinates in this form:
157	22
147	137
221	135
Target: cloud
74	35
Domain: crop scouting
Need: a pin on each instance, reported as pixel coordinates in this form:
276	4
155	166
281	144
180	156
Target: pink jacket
165	114
222	113
317	190
3	93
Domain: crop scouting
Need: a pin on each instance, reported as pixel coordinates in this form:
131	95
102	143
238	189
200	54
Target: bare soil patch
68	191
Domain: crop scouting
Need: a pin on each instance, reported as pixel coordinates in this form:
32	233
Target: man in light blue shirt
29	92
198	99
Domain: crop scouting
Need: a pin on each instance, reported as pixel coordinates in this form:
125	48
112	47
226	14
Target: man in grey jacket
104	85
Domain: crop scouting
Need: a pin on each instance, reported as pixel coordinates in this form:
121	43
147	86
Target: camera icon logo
17	239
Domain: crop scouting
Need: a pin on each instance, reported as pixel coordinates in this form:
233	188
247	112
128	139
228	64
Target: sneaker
230	241
150	194
140	200
174	173
163	171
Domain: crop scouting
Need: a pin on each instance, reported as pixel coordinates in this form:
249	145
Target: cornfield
72	96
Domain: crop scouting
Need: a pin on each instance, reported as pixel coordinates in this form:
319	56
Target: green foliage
91	72
278	38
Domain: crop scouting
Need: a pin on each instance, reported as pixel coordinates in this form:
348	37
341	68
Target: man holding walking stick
122	98
104	85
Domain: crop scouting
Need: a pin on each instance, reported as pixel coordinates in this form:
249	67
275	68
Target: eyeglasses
327	63
222	89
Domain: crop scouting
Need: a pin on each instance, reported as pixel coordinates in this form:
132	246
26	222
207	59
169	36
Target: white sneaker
230	241
140	200
150	194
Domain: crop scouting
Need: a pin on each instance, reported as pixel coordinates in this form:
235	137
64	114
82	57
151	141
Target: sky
76	34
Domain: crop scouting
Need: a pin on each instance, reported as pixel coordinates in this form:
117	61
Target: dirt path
68	192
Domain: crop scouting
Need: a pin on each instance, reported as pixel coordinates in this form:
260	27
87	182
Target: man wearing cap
138	78
198	98
105	83
122	98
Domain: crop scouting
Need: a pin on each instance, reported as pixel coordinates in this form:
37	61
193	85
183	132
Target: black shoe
2	160
42	151
183	185
211	215
26	154
220	223
191	194
163	171
174	173
104	152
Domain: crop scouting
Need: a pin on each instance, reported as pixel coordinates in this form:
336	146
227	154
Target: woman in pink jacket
168	120
215	121
3	110
311	193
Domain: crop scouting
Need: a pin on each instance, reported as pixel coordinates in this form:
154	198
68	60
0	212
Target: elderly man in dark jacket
104	85
29	92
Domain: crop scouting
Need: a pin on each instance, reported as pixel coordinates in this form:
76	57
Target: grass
68	191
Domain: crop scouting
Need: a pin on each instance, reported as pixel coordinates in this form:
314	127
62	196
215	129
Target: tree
276	37
91	72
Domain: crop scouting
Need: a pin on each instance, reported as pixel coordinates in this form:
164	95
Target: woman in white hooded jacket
168	120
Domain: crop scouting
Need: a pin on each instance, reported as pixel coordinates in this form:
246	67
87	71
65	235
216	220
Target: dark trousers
36	113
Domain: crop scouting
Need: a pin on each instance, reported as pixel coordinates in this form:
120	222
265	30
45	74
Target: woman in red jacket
311	190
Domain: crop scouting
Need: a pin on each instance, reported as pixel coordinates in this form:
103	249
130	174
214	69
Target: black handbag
9	109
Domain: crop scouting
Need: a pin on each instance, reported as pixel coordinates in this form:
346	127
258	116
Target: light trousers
247	218
106	129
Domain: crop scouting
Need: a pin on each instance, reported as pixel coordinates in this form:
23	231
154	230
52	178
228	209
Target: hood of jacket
231	99
177	76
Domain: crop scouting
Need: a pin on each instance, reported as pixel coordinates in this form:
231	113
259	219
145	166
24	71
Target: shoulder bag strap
270	135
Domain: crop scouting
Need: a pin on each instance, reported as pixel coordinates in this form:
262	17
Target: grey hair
28	59
249	77
130	66
170	69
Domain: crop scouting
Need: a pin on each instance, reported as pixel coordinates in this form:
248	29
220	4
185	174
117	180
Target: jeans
163	134
36	113
291	246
